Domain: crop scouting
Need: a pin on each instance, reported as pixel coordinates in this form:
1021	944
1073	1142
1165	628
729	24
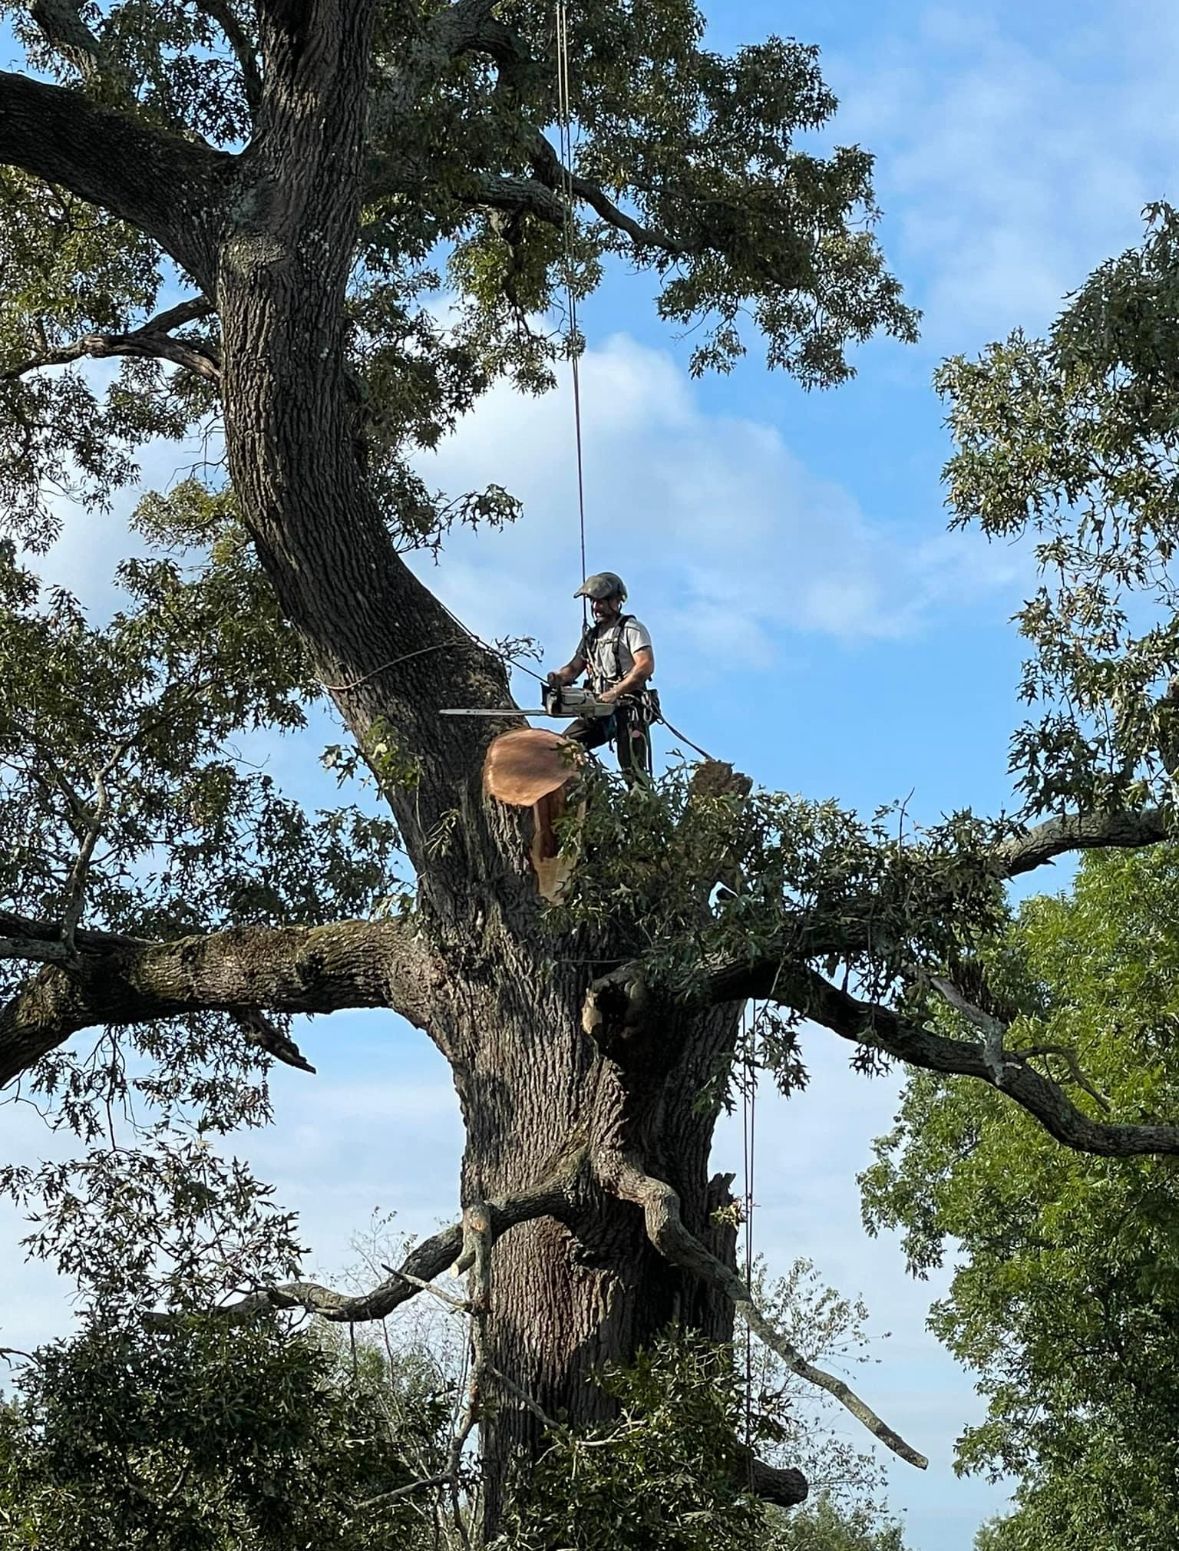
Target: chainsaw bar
500	714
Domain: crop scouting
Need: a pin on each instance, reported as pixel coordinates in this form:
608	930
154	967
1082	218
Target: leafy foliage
1068	1289
1073	439
828	1329
203	1436
826	1527
687	880
452	280
665	1475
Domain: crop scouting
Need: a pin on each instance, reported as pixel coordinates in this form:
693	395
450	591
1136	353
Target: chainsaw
560	700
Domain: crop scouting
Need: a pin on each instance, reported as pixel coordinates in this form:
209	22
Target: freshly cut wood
523	766
532	768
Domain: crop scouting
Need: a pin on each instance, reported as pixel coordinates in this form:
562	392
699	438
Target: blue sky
813	621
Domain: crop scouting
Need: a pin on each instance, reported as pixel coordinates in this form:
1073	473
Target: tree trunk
566	1296
570	1296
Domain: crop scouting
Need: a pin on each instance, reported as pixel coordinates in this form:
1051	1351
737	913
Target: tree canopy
1064	1292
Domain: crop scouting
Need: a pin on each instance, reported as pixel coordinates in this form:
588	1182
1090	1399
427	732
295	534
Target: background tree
1064	1297
251	208
199	1436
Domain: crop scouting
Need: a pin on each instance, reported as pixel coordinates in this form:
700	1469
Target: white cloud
724	534
1011	158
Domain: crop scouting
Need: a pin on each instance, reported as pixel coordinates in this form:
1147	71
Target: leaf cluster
1073	440
129	729
454	269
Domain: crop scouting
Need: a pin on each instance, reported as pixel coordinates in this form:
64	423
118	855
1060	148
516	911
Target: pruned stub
534	768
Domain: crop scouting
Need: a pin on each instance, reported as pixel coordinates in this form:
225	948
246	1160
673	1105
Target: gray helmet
603	584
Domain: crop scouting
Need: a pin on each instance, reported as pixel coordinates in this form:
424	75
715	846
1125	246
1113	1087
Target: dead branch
152	340
665	1228
259	1031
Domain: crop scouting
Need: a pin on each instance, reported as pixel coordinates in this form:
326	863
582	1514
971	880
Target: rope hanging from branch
565	144
749	1159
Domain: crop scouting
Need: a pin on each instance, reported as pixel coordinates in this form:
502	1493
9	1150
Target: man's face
605	609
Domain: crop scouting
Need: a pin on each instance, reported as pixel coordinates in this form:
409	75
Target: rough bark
284	969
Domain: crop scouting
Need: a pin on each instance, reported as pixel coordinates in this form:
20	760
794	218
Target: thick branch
1081	832
222	13
152	339
665	1228
469	27
773	1484
283	969
166	186
547	166
548	1198
882	1029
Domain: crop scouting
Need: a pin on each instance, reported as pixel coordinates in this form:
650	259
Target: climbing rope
565	152
676	733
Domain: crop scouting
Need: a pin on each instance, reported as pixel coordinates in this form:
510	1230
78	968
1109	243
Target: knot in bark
616	1009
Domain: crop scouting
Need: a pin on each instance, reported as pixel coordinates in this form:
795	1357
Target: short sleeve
638	637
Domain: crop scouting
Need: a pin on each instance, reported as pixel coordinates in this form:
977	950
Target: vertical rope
565	144
749	1159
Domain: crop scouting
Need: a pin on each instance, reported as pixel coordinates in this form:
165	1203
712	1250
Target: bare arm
573	669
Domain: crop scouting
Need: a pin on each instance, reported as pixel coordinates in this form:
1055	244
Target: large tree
252	207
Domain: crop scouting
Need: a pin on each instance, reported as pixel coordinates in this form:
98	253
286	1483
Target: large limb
152	340
61	25
1081	832
120	980
665	1228
881	1028
547	1197
168	187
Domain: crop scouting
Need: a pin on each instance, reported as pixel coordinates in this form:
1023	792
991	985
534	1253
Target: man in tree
616	653
246	205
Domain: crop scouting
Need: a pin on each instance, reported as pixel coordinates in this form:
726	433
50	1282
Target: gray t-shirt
609	650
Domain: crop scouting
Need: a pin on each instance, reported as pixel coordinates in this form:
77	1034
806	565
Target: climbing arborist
615	651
